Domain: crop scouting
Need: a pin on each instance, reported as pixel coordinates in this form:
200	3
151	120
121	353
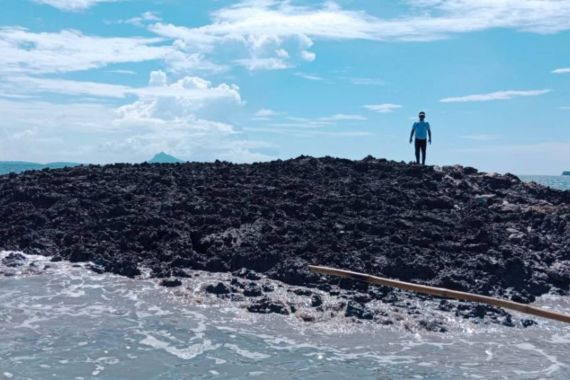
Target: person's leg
424	146
417	151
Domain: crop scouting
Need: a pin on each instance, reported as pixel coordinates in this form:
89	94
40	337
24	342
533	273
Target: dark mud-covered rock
453	227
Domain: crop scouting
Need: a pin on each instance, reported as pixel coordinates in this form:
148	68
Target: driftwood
442	292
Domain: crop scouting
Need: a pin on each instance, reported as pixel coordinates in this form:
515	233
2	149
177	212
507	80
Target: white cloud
177	117
192	89
383	108
261	27
308	76
343	117
565	108
265	112
263	63
308	56
498	95
71	50
143	19
282	53
157	78
562	70
183	63
121	71
72	5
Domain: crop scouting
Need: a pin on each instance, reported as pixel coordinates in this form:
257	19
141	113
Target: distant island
566	172
163	158
7	167
22	166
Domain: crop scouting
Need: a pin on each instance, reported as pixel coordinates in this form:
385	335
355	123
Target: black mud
451	227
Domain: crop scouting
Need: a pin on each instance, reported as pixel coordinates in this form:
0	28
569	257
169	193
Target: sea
561	182
63	321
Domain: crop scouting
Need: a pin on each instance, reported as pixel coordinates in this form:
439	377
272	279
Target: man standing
422	130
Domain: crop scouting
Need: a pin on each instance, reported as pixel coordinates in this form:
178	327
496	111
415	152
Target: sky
102	81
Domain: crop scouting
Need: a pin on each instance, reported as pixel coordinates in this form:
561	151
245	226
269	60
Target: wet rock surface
452	227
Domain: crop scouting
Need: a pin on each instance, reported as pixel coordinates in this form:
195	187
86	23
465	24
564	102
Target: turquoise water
561	182
67	322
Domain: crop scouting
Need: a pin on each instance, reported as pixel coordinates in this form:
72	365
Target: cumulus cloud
498	95
176	116
383	108
69	50
72	5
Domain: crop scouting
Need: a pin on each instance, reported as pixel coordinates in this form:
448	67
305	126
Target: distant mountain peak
163	158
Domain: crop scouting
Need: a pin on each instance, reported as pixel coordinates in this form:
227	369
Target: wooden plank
441	292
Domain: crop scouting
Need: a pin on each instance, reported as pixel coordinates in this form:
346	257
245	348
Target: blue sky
119	80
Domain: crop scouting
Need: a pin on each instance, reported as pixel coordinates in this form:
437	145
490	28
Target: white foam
186	353
245	353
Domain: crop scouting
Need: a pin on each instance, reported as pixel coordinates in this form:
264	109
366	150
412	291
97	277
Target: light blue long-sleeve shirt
421	129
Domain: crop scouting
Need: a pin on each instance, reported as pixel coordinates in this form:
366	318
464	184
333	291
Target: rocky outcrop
452	227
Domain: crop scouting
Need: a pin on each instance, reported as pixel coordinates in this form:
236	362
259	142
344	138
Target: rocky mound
452	227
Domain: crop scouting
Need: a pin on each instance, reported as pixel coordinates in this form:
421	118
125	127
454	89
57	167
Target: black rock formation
452	227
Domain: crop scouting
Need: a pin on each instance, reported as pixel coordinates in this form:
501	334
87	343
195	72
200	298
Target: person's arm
429	133
412	133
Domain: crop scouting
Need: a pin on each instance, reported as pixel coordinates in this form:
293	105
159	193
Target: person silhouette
422	130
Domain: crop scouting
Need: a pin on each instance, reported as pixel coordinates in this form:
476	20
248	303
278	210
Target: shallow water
561	182
68	322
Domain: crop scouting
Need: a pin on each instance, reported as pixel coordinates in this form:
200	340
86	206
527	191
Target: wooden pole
441	292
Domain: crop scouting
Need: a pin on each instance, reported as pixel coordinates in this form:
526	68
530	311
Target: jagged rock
432	325
247	274
268	288
266	306
354	309
302	292
170	282
252	290
316	300
14	260
219	288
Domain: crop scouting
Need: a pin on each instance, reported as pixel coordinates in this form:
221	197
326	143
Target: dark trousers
421	145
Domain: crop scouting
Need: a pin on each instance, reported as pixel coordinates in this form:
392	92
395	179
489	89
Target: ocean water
66	322
561	182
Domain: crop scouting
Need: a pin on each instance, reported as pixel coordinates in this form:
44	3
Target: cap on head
422	113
